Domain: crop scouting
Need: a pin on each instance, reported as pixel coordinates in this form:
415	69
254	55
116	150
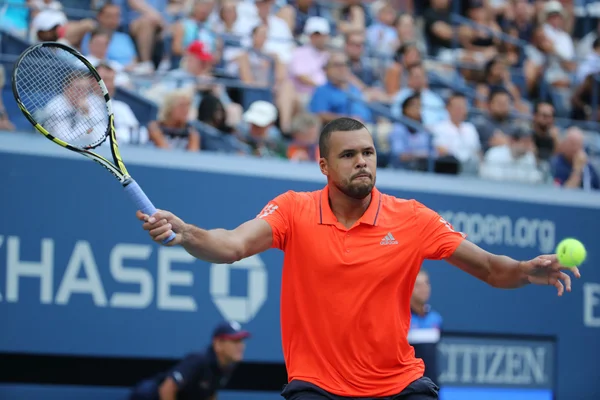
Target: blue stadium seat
11	44
250	95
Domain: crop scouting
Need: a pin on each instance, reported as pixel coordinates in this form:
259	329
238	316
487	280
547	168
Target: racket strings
61	94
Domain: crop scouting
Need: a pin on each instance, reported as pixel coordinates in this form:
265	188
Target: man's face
544	117
500	106
99	46
264	8
110	17
355	44
351	163
232	351
77	90
202	9
48	36
413	110
417	79
457	108
337	69
319	40
422	289
521	146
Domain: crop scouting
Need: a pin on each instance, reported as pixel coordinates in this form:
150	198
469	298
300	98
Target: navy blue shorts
421	389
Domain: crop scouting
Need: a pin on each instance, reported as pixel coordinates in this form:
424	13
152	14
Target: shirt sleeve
437	238
278	214
188	370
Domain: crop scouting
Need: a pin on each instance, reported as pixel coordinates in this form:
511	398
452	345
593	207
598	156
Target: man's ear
323	166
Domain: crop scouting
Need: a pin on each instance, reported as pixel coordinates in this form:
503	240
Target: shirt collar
326	216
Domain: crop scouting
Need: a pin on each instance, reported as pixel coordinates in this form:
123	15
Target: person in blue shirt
570	166
199	375
425	325
338	97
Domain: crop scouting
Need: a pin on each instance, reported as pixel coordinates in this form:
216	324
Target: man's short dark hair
455	95
497	92
409	100
537	104
343	124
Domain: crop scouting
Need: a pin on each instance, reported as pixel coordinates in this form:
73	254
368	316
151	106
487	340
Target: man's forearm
504	273
216	245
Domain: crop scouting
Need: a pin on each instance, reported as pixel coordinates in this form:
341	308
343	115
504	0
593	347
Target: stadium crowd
479	87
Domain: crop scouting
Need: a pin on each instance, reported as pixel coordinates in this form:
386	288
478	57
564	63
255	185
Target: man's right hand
161	224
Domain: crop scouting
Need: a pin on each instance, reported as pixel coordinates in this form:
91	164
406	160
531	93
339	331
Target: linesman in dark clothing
199	375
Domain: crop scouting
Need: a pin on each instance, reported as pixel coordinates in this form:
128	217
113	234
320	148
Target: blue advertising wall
79	276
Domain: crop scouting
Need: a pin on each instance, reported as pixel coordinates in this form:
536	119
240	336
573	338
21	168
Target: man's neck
456	122
346	209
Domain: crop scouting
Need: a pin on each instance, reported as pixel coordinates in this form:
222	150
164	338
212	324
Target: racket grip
143	203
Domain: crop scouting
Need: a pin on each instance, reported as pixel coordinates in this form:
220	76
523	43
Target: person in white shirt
279	36
77	115
456	136
513	162
127	126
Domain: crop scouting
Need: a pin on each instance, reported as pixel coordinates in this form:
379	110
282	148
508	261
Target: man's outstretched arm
506	273
219	246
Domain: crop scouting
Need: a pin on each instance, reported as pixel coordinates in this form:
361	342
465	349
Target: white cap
316	25
553	6
261	113
48	19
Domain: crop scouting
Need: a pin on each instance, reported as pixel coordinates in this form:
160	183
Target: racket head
63	96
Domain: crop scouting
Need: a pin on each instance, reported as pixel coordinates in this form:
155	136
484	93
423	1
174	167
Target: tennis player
352	255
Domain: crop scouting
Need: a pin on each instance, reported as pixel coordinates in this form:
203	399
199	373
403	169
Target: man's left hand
546	270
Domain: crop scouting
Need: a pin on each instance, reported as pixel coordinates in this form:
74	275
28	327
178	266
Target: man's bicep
255	235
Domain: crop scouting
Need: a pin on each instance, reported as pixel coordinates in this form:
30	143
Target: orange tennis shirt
345	294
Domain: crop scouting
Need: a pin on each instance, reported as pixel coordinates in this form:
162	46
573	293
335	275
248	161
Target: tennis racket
65	99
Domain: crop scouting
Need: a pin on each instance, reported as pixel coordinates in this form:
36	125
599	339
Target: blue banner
79	276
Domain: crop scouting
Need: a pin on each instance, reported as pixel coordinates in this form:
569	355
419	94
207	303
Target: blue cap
230	330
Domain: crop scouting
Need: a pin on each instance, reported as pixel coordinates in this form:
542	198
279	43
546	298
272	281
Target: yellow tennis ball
570	252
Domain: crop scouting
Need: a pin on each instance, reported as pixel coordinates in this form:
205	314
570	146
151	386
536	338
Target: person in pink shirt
307	65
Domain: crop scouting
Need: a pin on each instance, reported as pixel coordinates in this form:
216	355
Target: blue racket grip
143	203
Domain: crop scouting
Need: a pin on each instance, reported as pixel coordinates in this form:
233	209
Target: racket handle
143	203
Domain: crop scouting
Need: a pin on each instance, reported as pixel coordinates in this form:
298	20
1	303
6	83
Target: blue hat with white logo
231	330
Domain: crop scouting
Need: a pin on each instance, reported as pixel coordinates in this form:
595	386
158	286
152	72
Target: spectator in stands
5	124
492	128
512	162
479	43
225	24
407	33
509	51
545	133
395	74
297	13
307	67
586	44
434	109
173	130
15	18
279	41
97	54
590	64
352	17
497	76
145	20
199	376
212	114
195	28
582	99
53	26
40	5
305	138
363	73
256	67
520	15
425	325
127	126
259	118
440	31
570	167
563	50
195	75
381	35
338	97
410	147
121	48
456	136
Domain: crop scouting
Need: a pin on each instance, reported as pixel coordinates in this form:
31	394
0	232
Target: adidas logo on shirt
388	239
